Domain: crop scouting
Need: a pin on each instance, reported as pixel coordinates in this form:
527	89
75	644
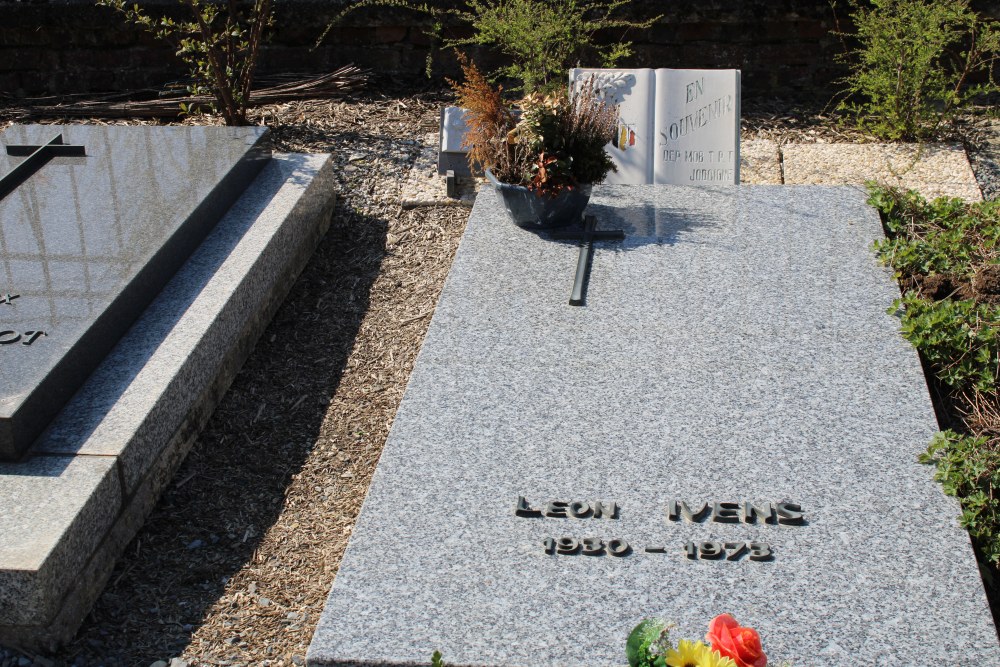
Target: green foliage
945	236
220	46
644	643
912	70
968	467
436	659
545	38
958	337
542	39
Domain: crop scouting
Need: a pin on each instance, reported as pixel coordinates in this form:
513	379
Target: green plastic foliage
642	646
220	45
913	68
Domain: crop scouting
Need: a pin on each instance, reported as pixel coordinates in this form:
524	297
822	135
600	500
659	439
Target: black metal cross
586	237
37	156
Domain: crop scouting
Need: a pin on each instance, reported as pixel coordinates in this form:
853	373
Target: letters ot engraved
783	513
36	157
9	336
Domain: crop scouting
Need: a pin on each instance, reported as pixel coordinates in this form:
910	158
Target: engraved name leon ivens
781	513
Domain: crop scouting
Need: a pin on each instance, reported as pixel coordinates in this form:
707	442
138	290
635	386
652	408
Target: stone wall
784	47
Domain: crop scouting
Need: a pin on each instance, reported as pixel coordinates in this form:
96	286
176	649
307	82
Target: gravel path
234	564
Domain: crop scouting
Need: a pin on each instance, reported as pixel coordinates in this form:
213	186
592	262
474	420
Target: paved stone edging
934	170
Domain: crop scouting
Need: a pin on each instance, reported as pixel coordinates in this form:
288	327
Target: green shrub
220	46
914	66
542	39
545	38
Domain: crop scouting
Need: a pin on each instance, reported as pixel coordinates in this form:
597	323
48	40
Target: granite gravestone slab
730	425
86	242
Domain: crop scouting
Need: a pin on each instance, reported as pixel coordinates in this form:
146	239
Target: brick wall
784	47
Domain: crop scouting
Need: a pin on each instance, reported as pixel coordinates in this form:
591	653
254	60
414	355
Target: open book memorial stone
678	126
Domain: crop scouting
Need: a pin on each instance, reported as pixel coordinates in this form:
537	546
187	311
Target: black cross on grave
38	157
586	237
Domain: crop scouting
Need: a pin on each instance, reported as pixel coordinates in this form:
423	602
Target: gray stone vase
533	211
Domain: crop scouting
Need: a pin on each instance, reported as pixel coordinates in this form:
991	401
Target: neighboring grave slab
735	348
87	242
698	126
83	490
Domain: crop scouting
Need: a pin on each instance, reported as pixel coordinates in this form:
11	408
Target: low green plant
918	63
947	235
968	467
220	45
541	39
960	338
436	660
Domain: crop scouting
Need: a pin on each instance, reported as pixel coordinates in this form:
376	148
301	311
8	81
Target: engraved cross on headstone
37	156
587	237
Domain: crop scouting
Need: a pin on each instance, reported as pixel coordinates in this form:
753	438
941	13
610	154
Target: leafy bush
220	46
915	65
545	38
542	39
960	338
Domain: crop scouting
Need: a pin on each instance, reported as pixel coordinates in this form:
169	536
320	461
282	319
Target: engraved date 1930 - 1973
594	546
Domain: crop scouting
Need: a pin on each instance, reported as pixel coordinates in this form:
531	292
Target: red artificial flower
733	641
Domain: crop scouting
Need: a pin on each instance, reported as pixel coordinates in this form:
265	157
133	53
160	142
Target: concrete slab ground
760	162
87	484
735	346
934	170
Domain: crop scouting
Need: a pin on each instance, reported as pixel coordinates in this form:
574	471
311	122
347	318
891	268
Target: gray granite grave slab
87	242
86	485
736	347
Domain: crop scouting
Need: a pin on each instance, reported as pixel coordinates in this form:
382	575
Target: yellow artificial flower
715	659
689	654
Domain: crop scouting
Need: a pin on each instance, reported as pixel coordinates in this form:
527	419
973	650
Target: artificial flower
733	641
688	654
